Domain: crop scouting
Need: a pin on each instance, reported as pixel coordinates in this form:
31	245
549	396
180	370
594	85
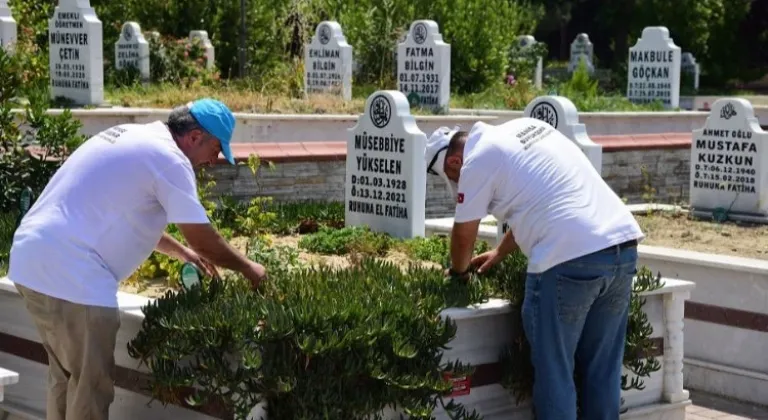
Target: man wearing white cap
580	240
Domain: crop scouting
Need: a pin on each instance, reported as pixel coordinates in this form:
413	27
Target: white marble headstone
582	50
132	50
8	26
653	72
207	45
527	41
76	53
424	66
328	62
561	113
386	173
728	164
689	65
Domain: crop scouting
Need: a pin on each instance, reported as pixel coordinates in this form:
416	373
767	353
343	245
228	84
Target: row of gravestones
582	50
386	173
423	59
132	49
76	49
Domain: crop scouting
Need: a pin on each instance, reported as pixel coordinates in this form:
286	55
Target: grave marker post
424	67
654	68
328	62
76	56
728	163
526	42
8	27
132	50
561	113
582	50
207	45
386	174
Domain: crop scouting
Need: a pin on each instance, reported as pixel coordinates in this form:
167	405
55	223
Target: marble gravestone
132	50
728	162
386	174
8	26
424	66
527	41
76	56
328	62
581	50
206	44
689	65
653	72
561	113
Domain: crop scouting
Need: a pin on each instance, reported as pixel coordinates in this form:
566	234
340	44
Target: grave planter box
483	331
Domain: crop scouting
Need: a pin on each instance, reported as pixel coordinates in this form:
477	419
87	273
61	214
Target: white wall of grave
324	181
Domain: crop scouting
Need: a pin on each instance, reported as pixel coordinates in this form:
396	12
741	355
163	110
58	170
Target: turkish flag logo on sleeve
460	198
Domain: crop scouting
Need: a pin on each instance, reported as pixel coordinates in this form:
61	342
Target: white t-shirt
102	214
530	175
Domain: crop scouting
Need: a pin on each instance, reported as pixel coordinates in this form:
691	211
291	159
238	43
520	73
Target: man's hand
201	263
205	241
463	236
486	260
255	274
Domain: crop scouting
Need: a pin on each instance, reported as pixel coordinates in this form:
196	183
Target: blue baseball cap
216	119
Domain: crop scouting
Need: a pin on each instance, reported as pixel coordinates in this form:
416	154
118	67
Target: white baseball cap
437	148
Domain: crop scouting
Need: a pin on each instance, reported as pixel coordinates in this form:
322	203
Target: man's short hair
181	121
456	143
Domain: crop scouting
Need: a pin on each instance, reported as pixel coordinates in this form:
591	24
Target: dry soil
666	229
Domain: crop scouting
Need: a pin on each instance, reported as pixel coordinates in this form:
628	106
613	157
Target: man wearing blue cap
100	216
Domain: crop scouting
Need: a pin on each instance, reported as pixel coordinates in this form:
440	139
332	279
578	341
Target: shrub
343	241
7	228
289	344
52	137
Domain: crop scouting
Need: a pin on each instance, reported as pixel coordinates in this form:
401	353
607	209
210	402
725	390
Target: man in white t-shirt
98	218
580	240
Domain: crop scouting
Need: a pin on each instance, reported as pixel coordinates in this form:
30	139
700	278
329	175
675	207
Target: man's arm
463	236
507	244
209	244
172	248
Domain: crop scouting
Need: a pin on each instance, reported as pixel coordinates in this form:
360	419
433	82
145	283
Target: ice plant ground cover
346	340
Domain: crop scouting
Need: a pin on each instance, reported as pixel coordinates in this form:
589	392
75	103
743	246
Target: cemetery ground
680	230
244	97
318	239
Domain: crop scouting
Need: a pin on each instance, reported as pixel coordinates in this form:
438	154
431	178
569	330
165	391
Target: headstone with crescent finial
728	163
653	72
76	53
561	113
424	67
132	50
386	173
328	62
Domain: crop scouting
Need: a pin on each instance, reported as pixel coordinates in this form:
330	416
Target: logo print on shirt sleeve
460	198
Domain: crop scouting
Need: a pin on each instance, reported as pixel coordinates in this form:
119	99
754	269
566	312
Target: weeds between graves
340	342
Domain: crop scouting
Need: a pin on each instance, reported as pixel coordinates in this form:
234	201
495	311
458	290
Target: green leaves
348	341
323	342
